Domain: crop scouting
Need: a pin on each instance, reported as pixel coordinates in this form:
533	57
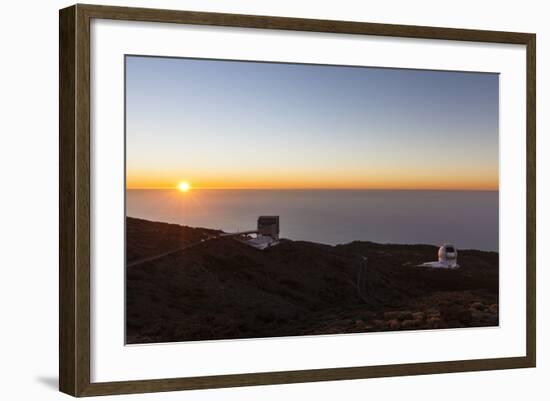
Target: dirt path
161	255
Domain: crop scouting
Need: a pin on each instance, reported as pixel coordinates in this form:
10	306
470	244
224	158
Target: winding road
202	241
161	255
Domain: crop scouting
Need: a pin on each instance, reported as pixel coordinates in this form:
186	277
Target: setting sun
184	186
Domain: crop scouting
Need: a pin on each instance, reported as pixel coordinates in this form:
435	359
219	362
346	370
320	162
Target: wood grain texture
301	24
74	199
67	129
74	206
82	200
301	376
531	201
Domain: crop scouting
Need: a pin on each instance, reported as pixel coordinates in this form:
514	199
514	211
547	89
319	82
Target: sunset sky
228	124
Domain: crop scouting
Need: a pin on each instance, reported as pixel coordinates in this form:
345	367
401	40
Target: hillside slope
220	288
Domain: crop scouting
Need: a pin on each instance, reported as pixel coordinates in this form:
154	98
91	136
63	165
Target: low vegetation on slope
219	288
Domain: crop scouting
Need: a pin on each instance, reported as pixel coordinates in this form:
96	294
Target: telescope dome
447	255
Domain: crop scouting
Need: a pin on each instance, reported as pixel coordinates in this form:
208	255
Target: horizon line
317	189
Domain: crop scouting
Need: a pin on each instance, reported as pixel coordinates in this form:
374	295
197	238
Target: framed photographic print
251	200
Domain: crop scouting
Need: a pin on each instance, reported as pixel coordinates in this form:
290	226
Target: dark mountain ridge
219	288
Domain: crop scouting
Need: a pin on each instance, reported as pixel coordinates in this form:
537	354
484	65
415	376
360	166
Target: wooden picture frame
74	203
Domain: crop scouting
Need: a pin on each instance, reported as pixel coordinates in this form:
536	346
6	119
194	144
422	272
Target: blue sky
261	125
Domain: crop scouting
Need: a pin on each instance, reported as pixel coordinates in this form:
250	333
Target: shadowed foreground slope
219	288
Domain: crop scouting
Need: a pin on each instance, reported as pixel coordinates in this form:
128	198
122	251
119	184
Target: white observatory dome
446	258
447	255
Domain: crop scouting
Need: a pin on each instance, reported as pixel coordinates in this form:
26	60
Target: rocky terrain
207	287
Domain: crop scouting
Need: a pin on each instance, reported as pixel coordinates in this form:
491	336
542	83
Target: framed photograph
250	200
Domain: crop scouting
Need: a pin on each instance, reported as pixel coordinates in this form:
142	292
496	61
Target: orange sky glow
405	180
234	124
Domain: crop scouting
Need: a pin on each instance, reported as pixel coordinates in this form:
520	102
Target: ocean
468	219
